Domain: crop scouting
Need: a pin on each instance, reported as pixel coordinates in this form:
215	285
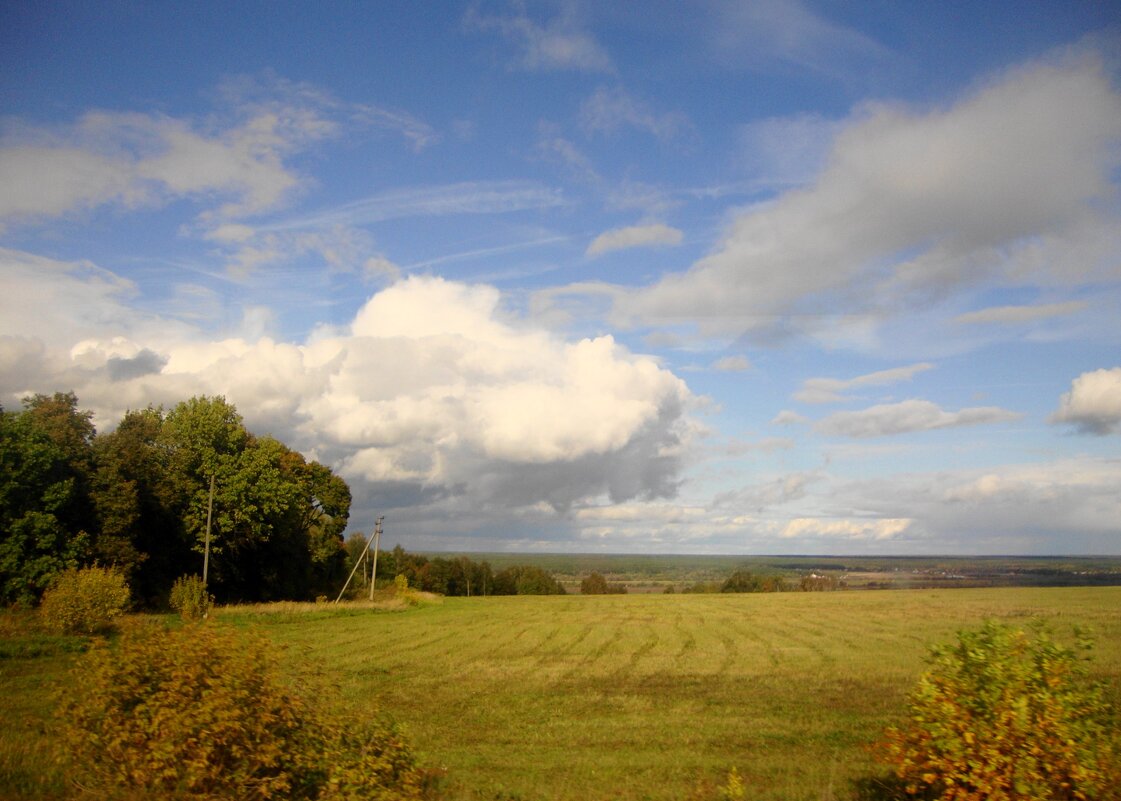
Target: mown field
625	697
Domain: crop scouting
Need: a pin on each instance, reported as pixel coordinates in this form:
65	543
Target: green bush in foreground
1002	716
85	601
190	599
201	713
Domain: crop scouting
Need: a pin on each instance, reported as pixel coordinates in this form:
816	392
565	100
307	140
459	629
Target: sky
699	276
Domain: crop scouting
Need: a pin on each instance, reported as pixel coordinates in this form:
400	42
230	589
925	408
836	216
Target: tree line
138	499
457	575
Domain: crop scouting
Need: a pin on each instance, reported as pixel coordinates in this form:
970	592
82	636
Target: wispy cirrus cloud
560	43
468	197
907	417
828	390
763	33
608	110
635	236
1011	315
238	157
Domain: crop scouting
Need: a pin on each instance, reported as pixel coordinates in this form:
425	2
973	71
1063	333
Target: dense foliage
201	712
595	584
459	575
85	601
1001	716
137	499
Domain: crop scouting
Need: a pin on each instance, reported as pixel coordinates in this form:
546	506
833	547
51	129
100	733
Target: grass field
623	697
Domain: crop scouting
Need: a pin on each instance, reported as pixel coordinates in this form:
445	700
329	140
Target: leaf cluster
1002	715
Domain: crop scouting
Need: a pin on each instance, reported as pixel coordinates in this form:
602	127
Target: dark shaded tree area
596	584
137	499
461	576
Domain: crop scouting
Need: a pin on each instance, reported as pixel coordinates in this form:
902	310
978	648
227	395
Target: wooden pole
357	562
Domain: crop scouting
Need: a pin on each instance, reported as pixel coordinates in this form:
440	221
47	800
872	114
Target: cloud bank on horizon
582	279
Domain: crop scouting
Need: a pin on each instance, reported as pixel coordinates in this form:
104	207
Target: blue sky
725	277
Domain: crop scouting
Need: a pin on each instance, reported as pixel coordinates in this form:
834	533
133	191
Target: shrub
190	599
1001	715
201	712
85	601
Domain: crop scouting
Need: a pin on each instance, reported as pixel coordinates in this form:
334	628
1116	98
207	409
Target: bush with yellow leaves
1003	715
202	712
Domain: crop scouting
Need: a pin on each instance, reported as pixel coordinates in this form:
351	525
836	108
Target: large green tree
139	507
276	522
138	499
38	493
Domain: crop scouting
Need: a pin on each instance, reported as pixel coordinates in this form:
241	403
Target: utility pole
209	517
359	562
377	544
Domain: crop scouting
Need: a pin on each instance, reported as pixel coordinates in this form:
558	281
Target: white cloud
469	197
758	32
608	110
732	364
908	416
1093	405
1011	315
1068	506
828	390
381	268
788	417
137	159
786	151
60	303
916	205
431	391
559	44
762	497
635	236
848	529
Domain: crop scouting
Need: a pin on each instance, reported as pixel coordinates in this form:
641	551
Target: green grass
636	697
624	697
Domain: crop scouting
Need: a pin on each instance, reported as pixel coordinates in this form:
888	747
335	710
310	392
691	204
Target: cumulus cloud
431	392
635	236
828	390
788	417
1093	405
915	205
908	416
